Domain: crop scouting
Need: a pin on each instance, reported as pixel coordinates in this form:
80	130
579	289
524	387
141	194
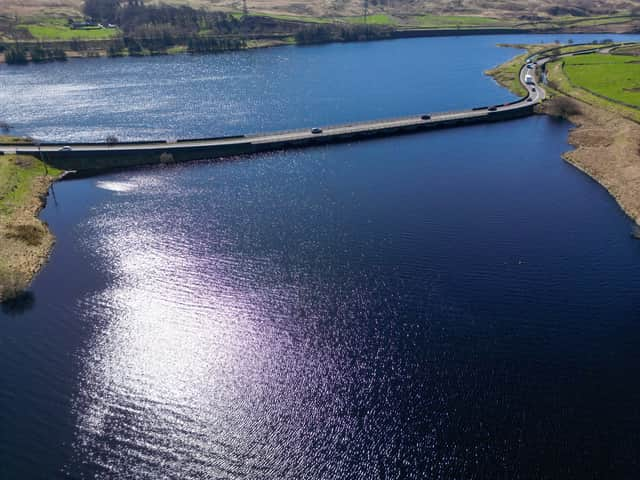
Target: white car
66	148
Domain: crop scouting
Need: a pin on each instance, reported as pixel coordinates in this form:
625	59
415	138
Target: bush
38	54
563	107
11	285
116	48
41	54
59	55
29	234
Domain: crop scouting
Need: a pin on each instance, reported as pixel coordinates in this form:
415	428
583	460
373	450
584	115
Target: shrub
38	54
24	161
59	55
564	107
16	56
10	285
29	234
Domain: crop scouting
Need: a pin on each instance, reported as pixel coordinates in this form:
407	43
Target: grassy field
628	50
616	77
597	20
560	83
577	48
295	18
569	22
508	74
16	176
278	16
379	19
453	21
58	29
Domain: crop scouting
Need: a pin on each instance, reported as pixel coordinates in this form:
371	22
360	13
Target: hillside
48	30
504	9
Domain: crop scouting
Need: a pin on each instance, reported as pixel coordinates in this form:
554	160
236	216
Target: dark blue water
263	90
455	304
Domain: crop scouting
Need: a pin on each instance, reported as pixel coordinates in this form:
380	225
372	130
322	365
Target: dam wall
96	157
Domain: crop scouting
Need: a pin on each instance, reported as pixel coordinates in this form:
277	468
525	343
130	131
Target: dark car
316	130
492	109
426	117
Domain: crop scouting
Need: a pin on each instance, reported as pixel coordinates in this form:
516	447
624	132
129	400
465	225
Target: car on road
66	148
533	89
316	130
529	65
426	117
529	99
492	109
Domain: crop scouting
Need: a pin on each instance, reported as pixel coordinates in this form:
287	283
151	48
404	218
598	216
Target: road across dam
86	157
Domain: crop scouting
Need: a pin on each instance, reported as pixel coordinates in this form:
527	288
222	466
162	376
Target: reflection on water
116	186
276	317
206	364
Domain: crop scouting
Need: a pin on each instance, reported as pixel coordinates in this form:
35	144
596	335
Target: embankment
607	148
25	241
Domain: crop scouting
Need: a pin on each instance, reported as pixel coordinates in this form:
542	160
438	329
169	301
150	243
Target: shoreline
607	155
100	47
27	241
606	143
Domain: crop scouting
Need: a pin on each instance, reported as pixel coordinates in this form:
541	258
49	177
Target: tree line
20	55
341	33
150	29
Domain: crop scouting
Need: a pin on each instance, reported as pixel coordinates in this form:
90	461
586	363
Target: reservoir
453	304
